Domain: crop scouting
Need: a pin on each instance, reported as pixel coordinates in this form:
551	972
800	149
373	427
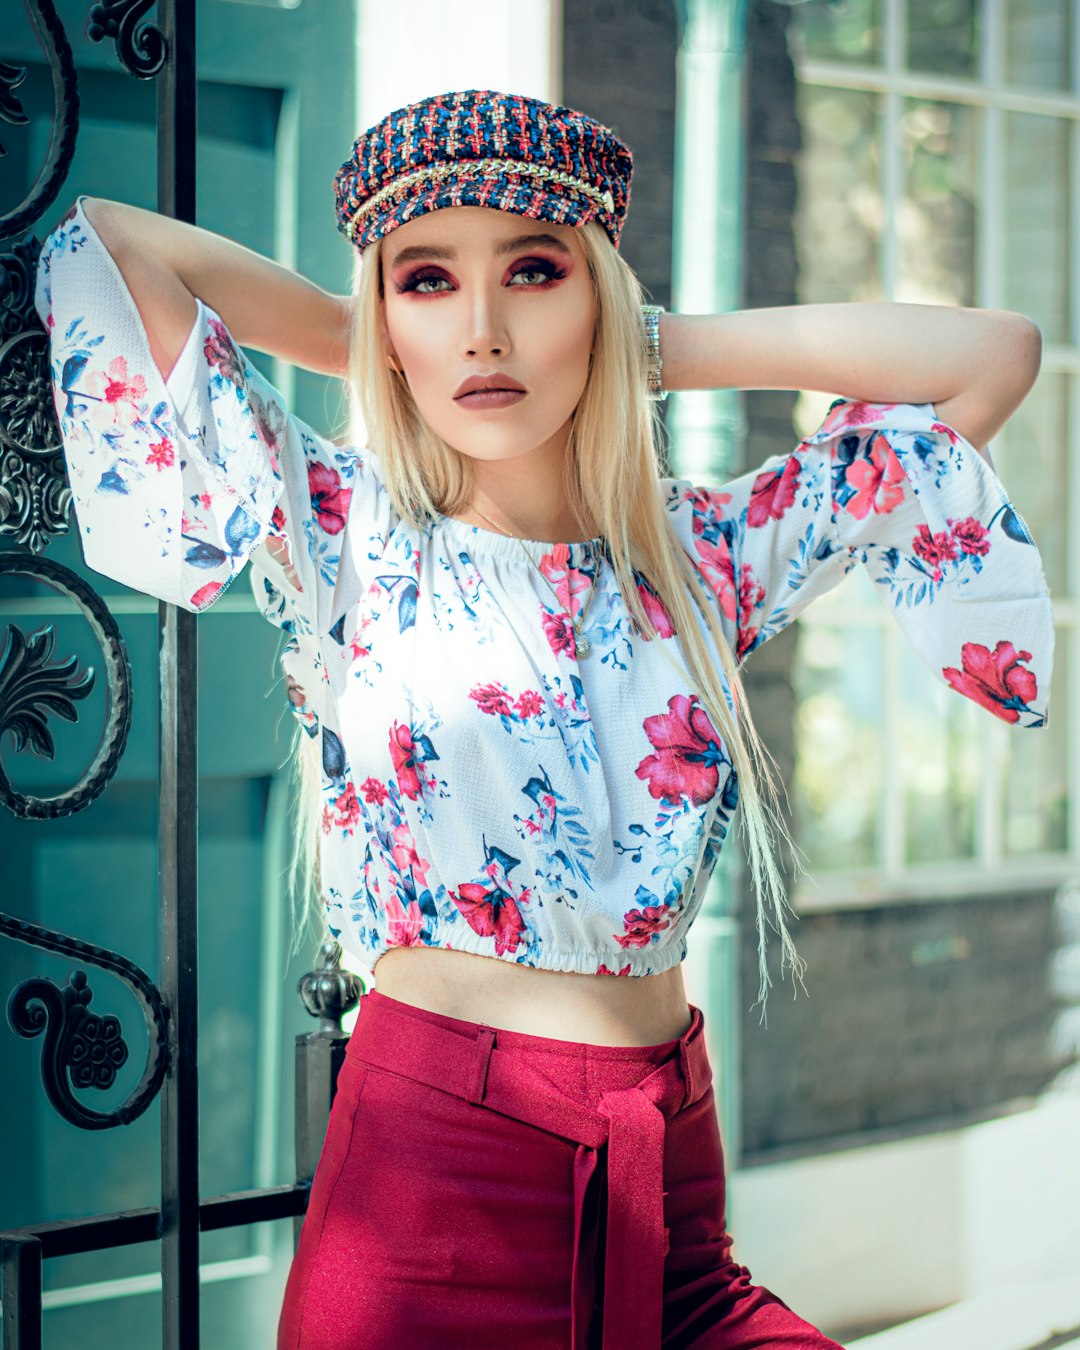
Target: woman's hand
166	263
975	365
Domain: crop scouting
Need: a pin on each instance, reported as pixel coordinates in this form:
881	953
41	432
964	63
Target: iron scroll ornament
81	1046
29	687
65	122
141	51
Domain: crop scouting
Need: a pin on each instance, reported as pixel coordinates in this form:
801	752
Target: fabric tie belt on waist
630	1122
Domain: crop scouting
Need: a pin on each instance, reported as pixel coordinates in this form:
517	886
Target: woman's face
474	292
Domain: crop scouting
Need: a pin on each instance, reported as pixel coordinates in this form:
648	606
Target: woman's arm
974	365
166	263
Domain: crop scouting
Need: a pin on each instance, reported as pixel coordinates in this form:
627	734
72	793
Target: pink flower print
118	397
329	500
403	927
972	537
559	632
705	504
491	914
603	970
375	793
995	680
348	808
405	856
853	415
327	819
718	568
206	500
205	594
358	644
688	753
657	613
529	703
934	549
493	699
406	761
277	519
751	594
773	492
878	480
641	924
570	584
161	454
221	353
120	387
954	438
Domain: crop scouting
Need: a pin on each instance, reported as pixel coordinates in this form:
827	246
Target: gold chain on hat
582	645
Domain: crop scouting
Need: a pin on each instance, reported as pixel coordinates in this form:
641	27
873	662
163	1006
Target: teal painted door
276	100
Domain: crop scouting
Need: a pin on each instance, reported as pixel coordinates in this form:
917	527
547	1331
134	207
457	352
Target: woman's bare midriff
594	1009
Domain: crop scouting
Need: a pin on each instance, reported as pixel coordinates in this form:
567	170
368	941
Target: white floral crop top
482	789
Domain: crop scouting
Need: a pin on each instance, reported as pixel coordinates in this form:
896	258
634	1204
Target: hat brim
554	202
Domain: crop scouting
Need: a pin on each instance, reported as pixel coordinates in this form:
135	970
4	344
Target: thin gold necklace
582	645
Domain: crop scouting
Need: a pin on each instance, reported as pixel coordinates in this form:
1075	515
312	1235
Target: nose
485	332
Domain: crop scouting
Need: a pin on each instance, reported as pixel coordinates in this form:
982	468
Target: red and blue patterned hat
477	148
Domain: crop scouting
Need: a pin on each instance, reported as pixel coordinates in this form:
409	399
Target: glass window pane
839	747
1031	456
827	31
1034	774
840	211
1035	207
1038	43
940	761
936	215
943	36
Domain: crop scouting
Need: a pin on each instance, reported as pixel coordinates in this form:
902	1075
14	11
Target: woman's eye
425	283
536	272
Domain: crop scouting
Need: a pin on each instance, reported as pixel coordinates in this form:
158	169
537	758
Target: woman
515	649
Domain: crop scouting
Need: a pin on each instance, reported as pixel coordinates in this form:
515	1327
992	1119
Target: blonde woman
513	651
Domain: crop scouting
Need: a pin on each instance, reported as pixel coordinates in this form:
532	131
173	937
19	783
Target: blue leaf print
205	555
240	530
337	632
407	607
110	481
1014	526
333	755
73	368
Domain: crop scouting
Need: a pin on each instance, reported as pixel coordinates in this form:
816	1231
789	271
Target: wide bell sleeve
177	483
891	487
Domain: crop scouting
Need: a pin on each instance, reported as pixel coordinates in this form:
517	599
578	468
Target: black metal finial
329	992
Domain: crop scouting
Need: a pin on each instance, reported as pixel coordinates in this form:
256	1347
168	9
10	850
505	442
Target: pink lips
480	392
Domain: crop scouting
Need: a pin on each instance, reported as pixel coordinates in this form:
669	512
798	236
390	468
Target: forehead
459	230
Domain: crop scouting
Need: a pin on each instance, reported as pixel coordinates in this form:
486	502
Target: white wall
415	48
893	1230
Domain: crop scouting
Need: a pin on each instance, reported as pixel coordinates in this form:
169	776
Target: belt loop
485	1043
687	1071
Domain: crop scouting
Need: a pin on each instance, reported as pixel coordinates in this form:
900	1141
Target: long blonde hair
611	473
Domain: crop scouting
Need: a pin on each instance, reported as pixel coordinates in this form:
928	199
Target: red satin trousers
482	1189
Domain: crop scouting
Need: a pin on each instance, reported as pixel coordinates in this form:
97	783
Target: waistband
623	1137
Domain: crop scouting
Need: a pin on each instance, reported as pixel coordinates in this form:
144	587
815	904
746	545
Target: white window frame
989	872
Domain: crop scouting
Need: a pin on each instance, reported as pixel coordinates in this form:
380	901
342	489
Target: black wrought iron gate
82	1051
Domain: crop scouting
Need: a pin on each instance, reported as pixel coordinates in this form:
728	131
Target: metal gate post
178	795
20	1263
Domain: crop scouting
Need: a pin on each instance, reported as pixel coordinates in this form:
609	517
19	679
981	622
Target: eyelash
551	272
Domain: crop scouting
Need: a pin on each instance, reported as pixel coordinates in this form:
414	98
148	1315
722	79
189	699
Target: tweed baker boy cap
478	148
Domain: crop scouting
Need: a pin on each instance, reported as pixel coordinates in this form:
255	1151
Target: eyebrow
416	251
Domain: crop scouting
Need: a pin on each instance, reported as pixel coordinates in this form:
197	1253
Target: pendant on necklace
582	646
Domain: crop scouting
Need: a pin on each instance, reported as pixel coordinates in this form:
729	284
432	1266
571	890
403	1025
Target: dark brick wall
619	67
919	1014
